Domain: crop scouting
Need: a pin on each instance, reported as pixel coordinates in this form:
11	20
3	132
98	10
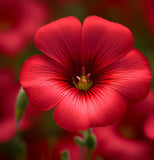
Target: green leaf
79	141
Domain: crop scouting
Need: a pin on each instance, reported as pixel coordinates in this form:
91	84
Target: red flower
139	113
88	72
149	127
8	93
112	145
18	23
148	103
127	140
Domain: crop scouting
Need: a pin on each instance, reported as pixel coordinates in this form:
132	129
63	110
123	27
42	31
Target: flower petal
112	145
44	81
61	40
8	129
104	42
80	110
149	127
130	76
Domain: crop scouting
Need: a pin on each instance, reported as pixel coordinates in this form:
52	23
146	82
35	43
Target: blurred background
37	136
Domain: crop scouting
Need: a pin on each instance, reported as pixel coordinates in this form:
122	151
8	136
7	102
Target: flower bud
65	155
21	104
79	141
90	141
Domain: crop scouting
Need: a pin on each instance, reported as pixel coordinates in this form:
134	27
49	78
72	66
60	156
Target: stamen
84	82
78	78
88	75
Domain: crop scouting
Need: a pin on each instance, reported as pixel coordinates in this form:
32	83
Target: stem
82	152
88	155
18	127
88	142
83	145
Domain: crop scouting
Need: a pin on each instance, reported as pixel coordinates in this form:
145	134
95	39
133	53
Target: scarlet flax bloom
88	72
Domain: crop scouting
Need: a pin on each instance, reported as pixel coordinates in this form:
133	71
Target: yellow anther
83	81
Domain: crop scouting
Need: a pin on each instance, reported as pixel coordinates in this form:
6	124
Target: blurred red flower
127	140
139	113
144	114
18	23
88	72
113	146
149	127
8	92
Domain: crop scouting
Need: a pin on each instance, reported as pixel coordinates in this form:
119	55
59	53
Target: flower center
84	82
